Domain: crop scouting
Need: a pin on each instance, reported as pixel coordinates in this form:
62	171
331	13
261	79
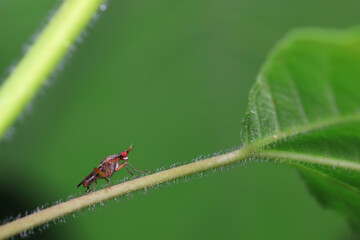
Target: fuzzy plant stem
248	151
62	209
43	56
253	150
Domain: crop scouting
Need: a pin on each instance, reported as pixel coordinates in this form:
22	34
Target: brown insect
107	168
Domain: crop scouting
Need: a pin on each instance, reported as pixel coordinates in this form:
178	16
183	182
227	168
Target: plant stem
38	63
252	150
51	213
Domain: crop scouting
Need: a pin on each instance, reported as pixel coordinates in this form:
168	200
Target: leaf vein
311	159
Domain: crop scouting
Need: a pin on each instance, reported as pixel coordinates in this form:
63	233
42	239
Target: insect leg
121	166
87	190
109	173
93	188
130	172
109	181
103	175
100	172
124	165
137	170
134	174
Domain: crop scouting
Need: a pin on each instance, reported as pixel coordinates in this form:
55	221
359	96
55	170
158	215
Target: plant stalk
43	56
252	150
62	209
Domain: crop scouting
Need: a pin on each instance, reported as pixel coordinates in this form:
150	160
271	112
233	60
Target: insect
107	168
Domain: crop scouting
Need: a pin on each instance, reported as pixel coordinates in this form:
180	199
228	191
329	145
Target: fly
107	168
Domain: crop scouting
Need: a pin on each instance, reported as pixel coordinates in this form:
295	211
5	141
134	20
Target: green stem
62	209
255	149
38	63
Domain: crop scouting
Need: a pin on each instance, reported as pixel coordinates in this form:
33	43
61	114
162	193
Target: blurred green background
172	77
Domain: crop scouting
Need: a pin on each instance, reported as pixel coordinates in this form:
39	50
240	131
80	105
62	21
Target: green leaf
304	110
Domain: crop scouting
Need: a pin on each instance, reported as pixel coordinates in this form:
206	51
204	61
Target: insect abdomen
88	180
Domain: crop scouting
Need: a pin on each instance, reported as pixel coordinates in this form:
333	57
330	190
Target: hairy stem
33	69
252	150
51	213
